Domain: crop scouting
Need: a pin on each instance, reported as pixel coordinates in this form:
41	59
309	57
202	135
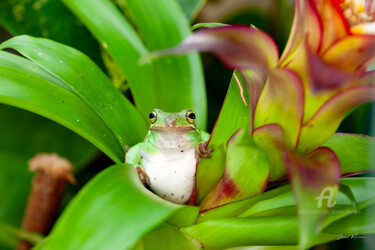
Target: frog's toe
202	151
143	176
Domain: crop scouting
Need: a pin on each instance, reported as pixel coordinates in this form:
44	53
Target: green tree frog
167	159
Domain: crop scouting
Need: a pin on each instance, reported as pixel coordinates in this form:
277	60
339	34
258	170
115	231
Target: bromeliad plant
276	125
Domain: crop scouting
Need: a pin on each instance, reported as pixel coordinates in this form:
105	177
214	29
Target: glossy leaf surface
355	152
25	91
106	212
234	114
180	83
88	82
246	172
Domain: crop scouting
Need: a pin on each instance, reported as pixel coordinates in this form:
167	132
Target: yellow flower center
358	11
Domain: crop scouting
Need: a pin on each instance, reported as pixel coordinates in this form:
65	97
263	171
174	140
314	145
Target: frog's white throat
172	139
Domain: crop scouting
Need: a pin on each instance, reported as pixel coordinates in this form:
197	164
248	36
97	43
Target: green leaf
121	41
191	7
113	211
355	152
88	82
16	62
25	91
238	208
244	159
233	232
234	114
174	82
356	224
180	83
167	237
207	25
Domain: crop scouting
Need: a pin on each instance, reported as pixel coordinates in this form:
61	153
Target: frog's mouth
158	127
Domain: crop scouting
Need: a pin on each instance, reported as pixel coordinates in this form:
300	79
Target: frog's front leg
133	157
201	149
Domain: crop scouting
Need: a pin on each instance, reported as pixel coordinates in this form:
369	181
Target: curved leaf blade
86	80
355	152
106	213
180	83
31	93
121	41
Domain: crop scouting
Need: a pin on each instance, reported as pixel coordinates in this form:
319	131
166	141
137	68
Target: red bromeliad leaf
326	120
282	102
237	46
315	180
306	25
334	23
245	175
325	76
351	53
270	138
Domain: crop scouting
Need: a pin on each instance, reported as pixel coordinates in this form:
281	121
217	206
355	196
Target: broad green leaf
113	211
209	172
191	7
276	215
28	92
356	224
184	217
121	41
355	152
207	25
238	208
167	237
246	172
16	62
234	232
234	114
88	82
315	180
180	83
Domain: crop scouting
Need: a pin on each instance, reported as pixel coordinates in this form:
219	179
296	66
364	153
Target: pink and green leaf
270	138
282	102
236	46
307	26
234	114
310	176
351	53
326	120
246	172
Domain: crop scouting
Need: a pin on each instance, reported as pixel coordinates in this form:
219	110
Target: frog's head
160	120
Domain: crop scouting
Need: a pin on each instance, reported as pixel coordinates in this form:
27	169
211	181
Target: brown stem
52	173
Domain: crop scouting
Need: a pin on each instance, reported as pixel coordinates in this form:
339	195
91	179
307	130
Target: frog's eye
152	116
190	117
